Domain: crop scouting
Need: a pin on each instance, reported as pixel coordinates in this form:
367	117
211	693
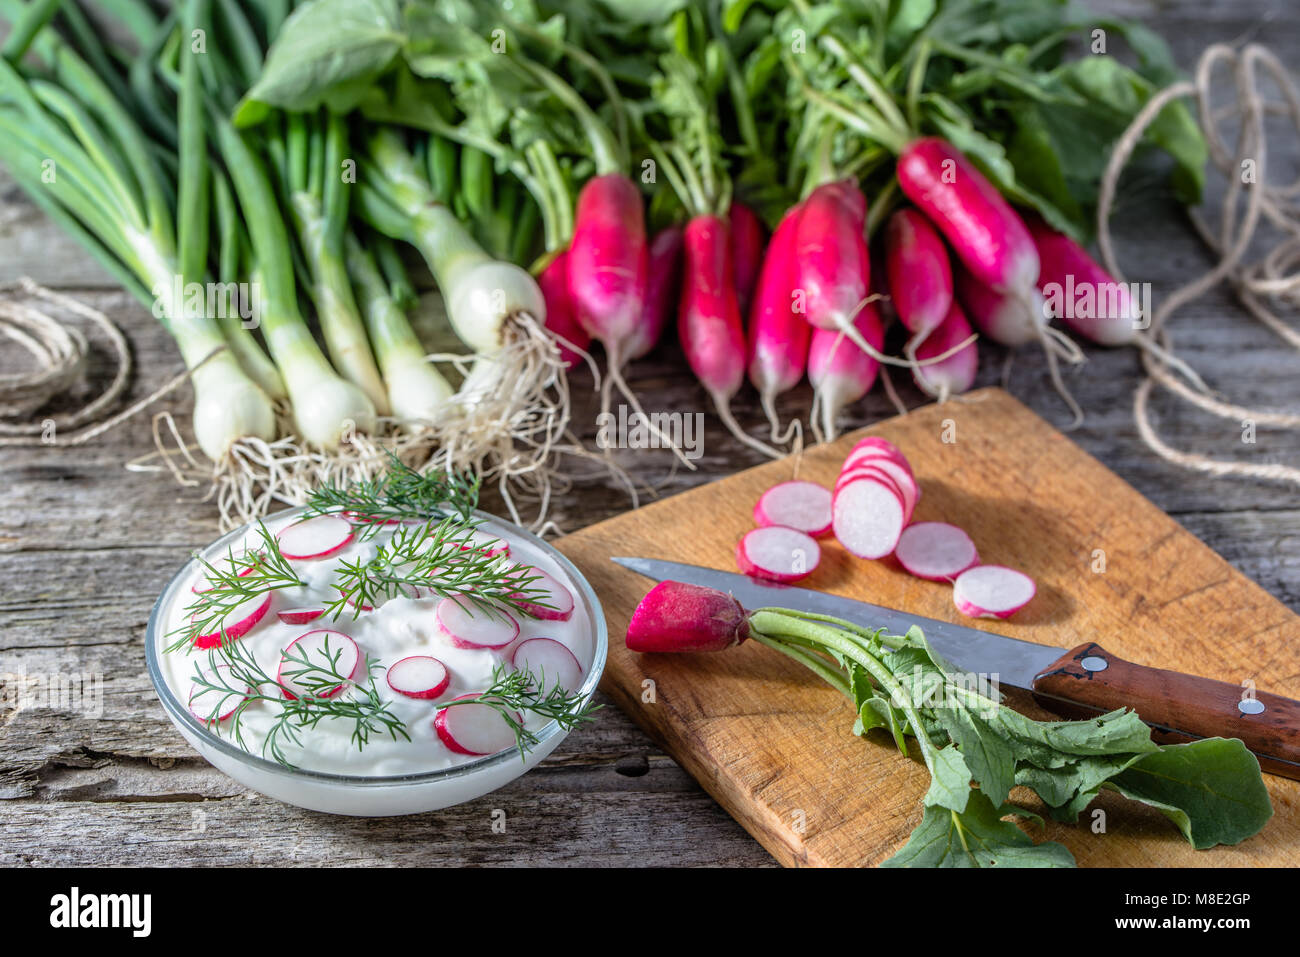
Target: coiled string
1276	276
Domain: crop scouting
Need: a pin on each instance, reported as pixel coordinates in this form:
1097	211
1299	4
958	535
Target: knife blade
1075	683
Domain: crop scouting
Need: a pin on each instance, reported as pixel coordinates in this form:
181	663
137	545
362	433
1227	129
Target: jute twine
1273	279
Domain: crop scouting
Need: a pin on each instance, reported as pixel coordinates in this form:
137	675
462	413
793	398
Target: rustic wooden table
85	547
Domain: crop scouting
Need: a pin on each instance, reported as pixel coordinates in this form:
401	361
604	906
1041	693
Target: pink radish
839	371
1006	318
1080	292
892	475
468	626
708	321
559	598
832	264
419	676
992	591
871	454
935	550
920	275
675	616
778	554
317	537
778	337
237	622
550	662
561	320
210	699
797	504
299	616
662	289
876	444
608	261
475	729
986	233
323	648
487	544
956	373
242	570
746	252
868	517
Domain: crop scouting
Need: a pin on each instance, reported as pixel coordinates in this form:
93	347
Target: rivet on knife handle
1178	707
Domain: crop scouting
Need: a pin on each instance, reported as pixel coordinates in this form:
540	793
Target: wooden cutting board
774	745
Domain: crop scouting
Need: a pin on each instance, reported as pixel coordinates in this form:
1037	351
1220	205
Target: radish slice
904	479
238	622
936	550
468	626
473	728
868	517
875	441
204	584
209	699
871	455
550	662
419	676
992	591
802	505
320	648
489	545
317	537
553	593
778	554
906	493
299	616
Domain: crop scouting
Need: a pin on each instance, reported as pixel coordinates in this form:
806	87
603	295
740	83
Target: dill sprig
252	573
441	557
401	494
234	674
512	692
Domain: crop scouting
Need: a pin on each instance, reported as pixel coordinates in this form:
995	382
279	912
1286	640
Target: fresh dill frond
401	494
248	575
234	673
512	692
440	557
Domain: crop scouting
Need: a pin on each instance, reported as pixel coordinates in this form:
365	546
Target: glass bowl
365	795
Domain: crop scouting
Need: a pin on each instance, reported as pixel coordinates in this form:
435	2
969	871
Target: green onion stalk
81	155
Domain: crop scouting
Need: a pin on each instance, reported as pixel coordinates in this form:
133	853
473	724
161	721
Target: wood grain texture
773	745
85	547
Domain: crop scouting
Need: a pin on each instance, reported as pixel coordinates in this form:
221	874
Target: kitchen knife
1074	683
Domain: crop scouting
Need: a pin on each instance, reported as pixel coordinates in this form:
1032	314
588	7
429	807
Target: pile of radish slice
870	512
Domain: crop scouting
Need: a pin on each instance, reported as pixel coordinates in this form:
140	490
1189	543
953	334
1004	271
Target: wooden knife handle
1089	679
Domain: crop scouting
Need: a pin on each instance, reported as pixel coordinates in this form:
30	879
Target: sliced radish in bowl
204	584
238	622
992	591
550	662
552	593
935	550
488	544
325	649
778	554
796	504
467	625
202	701
475	729
317	537
299	616
419	676
868	517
